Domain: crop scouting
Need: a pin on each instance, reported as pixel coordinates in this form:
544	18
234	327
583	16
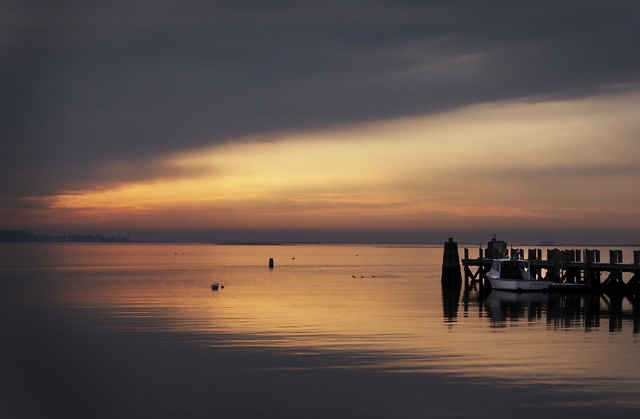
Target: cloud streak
573	167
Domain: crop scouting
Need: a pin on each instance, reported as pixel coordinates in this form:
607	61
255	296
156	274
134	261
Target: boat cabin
511	269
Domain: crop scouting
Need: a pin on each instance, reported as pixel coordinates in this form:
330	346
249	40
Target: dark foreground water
135	331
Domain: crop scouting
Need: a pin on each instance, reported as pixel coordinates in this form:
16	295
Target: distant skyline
350	121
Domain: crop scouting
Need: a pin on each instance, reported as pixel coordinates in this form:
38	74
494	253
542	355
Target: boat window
510	270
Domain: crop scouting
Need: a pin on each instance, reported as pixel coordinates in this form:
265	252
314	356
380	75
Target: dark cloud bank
86	83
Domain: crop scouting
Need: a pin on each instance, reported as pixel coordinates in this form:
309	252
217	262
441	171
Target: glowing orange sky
499	164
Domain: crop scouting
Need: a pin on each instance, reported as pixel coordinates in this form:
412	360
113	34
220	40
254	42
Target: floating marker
271	263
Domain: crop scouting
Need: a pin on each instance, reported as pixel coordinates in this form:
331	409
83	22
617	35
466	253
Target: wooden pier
572	266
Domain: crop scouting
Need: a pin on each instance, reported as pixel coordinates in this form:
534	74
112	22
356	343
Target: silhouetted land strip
25	236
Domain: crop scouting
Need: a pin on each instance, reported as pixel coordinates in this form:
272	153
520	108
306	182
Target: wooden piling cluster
562	266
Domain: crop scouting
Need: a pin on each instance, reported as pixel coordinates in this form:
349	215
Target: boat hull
518	284
569	287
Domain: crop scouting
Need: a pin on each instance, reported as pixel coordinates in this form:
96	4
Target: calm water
134	330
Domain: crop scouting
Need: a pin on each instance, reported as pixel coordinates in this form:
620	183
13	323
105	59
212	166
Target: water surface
134	330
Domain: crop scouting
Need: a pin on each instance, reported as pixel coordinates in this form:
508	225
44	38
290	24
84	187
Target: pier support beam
614	282
571	275
553	271
467	273
470	278
633	286
591	275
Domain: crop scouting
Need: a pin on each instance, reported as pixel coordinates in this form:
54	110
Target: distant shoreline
19	236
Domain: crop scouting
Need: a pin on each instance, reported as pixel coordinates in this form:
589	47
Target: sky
333	121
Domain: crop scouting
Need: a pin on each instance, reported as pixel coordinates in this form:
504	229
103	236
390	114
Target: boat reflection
512	306
588	311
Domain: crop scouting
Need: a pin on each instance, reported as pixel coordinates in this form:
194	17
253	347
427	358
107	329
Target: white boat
514	275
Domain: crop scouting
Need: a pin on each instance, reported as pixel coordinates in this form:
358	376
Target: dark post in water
270	263
451	275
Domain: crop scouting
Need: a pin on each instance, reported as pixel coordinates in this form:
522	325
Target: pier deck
562	266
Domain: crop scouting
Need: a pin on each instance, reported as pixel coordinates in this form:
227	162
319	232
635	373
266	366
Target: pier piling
451	276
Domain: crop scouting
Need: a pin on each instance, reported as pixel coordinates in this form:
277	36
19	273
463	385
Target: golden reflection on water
382	305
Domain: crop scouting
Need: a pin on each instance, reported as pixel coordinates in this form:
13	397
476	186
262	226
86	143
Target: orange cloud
536	162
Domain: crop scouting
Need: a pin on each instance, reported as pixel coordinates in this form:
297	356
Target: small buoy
293	258
353	276
214	286
221	286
